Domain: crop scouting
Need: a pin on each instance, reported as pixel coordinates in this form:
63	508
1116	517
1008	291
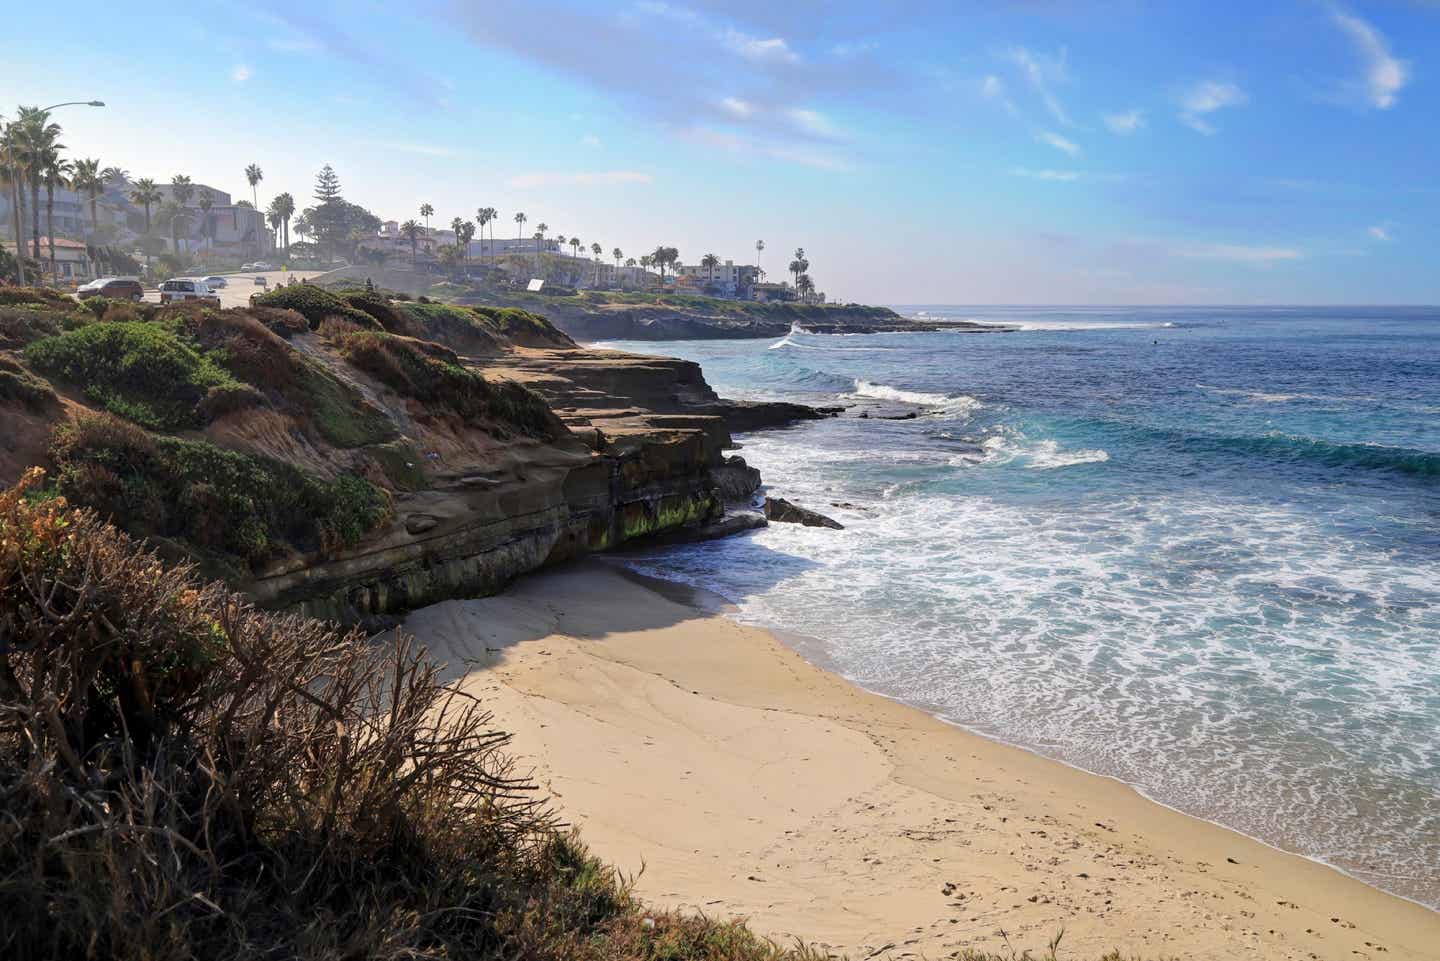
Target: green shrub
143	372
41	296
220	503
456	327
433	375
21	325
314	304
17	383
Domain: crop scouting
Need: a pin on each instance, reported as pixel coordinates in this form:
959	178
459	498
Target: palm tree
467	233
483	216
38	138
710	262
178	217
253	174
182	189
55	173
596	249
575	247
458	226
410	230
284	204
272	217
520	219
759	249
539	241
619	255
86	179
115	176
145	194
13	171
205	203
427	212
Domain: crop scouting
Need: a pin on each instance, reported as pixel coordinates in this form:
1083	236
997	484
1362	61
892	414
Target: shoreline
746	780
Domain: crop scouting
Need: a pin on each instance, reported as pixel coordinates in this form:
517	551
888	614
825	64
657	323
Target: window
66	270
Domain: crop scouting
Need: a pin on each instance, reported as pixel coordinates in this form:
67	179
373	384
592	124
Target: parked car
262	265
187	288
215	283
120	288
261	282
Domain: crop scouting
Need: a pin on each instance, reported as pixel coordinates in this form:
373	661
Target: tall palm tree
458	226
145	194
619	255
427	212
759	249
205	203
484	216
182	189
575	247
38	139
253	175
115	176
520	219
710	262
56	174
596	249
539	242
85	178
410	230
284	204
13	169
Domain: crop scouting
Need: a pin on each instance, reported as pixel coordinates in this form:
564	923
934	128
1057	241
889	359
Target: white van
187	288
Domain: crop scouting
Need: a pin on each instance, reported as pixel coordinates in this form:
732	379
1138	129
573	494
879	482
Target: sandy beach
736	778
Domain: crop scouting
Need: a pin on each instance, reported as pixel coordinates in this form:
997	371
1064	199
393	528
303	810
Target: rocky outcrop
737	480
783	512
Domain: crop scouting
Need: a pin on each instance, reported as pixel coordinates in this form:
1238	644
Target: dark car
119	288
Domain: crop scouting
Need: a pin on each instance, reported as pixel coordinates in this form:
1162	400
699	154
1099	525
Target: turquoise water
1197	550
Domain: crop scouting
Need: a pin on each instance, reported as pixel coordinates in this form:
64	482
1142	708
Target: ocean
1195	549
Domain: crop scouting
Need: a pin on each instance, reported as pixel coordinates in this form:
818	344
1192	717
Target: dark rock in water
782	511
908	415
732	523
737	480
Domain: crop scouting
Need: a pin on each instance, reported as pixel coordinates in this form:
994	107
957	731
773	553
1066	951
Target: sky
1026	152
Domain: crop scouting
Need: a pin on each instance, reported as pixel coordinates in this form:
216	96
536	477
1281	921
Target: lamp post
19	246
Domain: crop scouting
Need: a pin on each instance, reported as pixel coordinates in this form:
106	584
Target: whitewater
1197	550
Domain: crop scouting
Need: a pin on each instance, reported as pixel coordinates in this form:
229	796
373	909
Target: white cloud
590	140
1240	253
1041	71
595	179
993	88
813	123
1125	123
425	149
807	158
1058	142
1379	232
241	73
740	109
1205	98
1384	74
772	50
1064	176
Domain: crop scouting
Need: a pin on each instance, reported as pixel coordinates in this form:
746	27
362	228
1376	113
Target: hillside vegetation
238	438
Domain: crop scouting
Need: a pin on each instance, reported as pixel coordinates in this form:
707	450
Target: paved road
240	286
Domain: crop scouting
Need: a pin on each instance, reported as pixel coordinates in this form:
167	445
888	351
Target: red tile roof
45	243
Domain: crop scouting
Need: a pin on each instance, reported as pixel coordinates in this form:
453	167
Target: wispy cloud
1384	74
590	140
771	50
1058	142
806	157
1042	73
813	123
737	108
853	49
1063	176
1240	253
241	73
1379	232
1205	98
1125	123
424	149
580	179
993	88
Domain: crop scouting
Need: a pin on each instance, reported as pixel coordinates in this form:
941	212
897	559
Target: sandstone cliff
351	456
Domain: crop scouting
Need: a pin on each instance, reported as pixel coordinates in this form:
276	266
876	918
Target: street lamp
75	103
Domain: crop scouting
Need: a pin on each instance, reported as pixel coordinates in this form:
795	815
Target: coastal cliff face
353	456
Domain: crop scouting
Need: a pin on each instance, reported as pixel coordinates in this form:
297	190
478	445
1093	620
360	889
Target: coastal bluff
352	455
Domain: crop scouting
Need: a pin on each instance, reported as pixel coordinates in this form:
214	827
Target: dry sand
746	781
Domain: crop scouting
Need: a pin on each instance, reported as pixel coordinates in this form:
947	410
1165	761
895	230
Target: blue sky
1035	151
